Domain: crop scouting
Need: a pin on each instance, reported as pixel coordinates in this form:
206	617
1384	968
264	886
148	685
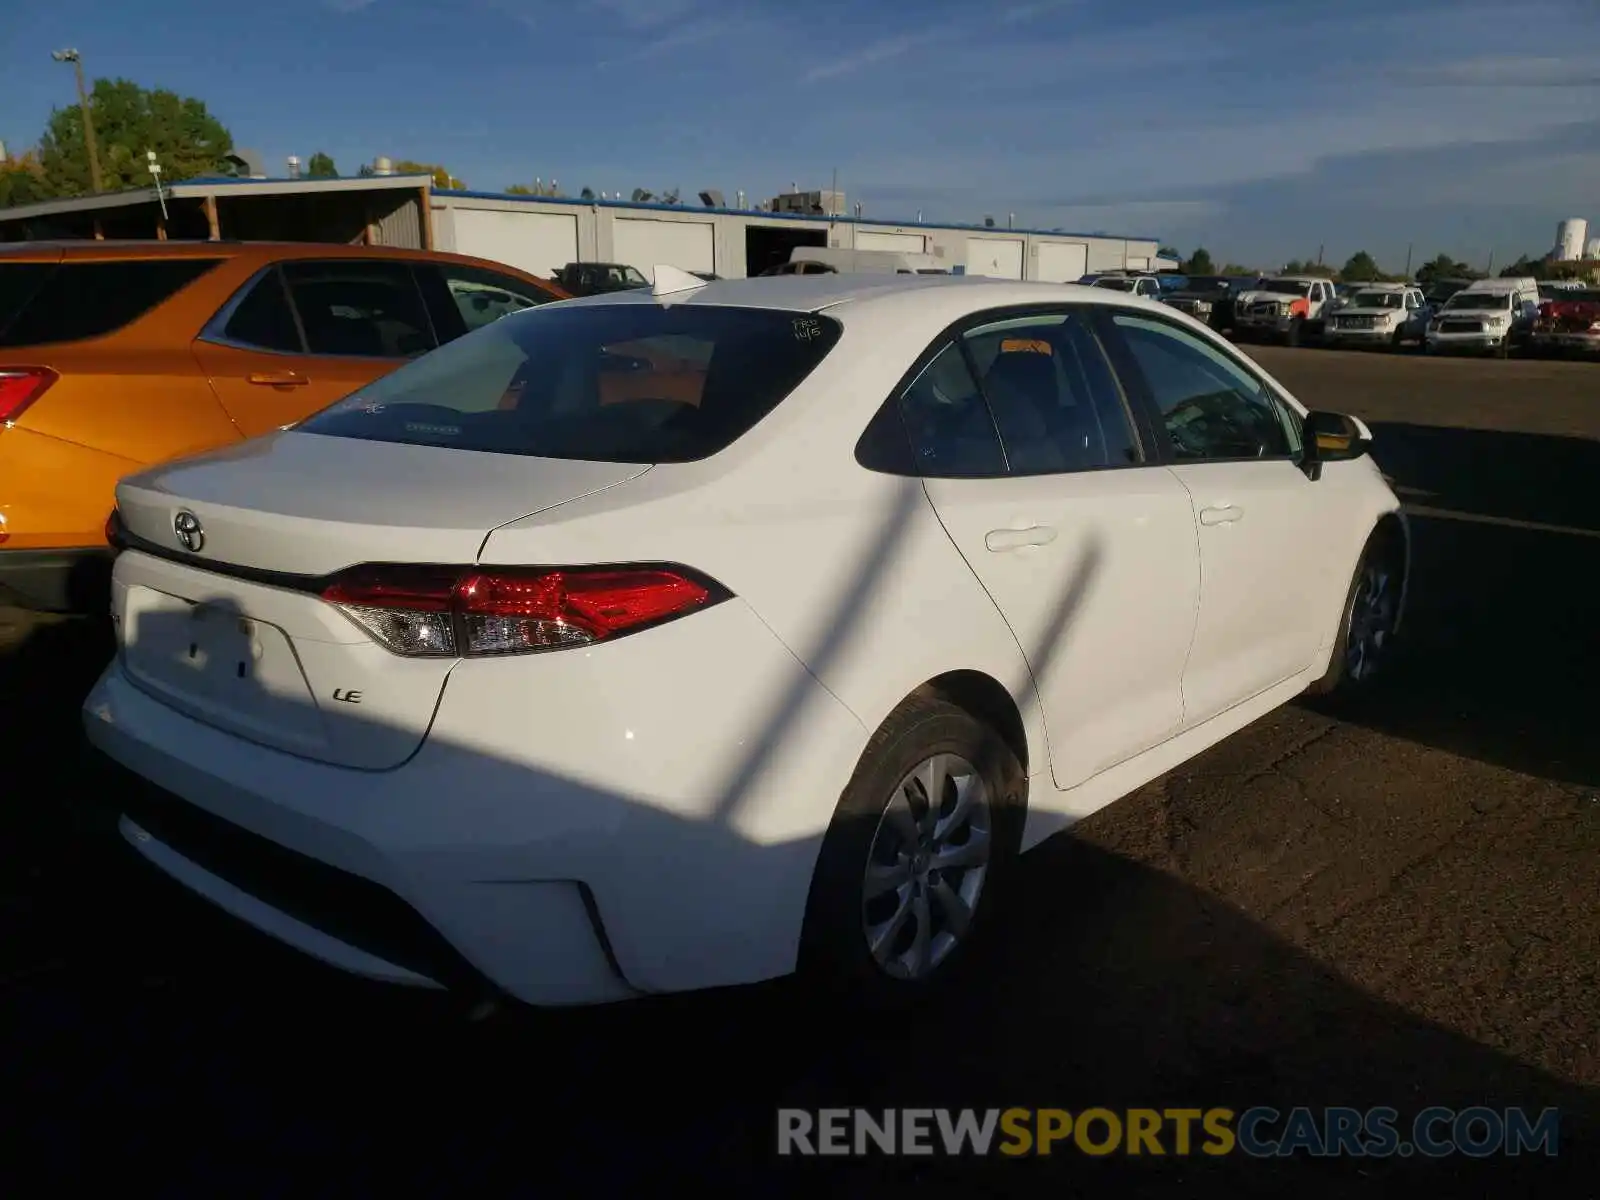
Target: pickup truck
593	279
1386	315
1281	307
1570	325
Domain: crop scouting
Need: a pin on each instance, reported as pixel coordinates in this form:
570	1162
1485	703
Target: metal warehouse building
540	234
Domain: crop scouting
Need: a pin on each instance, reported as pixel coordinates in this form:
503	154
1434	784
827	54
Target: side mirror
1332	437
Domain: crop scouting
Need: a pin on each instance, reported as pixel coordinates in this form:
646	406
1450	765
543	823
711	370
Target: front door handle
999	540
1224	514
279	379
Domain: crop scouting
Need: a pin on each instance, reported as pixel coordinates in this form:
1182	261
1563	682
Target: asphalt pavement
1393	905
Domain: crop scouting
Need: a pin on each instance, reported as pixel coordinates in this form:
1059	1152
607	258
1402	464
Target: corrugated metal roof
657	206
193	188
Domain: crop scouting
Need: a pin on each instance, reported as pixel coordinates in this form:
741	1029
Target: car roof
98	250
861	292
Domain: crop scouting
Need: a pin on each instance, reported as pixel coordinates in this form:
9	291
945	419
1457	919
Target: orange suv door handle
280	379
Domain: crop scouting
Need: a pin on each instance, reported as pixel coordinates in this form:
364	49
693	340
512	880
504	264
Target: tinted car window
951	432
1212	407
18	283
635	383
1052	394
264	319
358	308
89	300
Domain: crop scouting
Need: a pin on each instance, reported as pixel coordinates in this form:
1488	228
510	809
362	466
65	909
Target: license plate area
221	666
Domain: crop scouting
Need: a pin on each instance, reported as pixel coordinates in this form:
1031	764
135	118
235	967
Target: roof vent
712	198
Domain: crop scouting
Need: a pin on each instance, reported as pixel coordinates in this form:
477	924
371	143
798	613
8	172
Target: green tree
1445	267
519	189
441	178
1236	269
1199	263
1361	268
128	121
1168	252
1525	266
23	181
321	167
586	194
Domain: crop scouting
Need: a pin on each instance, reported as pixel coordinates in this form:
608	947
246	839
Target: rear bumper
565	833
76	580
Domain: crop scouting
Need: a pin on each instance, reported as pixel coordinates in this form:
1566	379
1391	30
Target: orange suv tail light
20	387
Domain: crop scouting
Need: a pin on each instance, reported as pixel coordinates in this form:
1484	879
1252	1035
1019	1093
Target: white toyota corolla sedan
700	634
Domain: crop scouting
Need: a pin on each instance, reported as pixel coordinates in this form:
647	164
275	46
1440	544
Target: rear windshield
43	303
633	383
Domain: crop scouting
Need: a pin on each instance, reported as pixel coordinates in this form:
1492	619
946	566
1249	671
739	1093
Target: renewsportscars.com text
1256	1132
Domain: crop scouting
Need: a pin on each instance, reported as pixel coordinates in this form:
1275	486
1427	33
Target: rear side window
80	300
18	283
359	309
635	383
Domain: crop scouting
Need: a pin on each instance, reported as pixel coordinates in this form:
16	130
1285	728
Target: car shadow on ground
1501	642
145	1029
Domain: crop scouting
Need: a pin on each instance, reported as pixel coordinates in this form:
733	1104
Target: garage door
541	243
1062	262
642	242
903	243
999	258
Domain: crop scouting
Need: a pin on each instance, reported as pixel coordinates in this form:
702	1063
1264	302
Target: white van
823	260
1488	315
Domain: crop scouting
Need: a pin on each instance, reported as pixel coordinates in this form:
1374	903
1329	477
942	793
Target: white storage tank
1569	239
1592	251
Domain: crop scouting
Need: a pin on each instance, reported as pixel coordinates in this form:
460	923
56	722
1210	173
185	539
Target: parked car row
1486	316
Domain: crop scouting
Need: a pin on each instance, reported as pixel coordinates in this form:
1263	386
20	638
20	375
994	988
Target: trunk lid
235	634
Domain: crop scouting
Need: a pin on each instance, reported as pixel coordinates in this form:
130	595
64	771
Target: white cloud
1027	12
349	6
646	14
1511	71
872	55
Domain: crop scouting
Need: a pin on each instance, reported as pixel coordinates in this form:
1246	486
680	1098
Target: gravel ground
1391	906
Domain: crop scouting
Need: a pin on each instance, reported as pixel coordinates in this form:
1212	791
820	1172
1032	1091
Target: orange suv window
79	300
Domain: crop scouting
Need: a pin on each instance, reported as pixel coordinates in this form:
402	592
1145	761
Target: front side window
1052	394
1210	406
631	383
359	309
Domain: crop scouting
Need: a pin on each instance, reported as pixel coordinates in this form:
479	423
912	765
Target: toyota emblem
190	536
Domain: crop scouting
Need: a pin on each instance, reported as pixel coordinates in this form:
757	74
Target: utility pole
73	57
1409	245
1490	271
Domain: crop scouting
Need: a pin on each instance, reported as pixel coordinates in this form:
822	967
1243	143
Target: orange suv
114	356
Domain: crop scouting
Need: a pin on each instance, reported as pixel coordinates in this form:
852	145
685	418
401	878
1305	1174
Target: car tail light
20	387
424	611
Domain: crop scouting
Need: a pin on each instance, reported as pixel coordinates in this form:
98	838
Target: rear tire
886	924
1367	621
1292	337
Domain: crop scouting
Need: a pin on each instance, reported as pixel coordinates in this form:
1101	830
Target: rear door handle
1225	514
999	540
280	379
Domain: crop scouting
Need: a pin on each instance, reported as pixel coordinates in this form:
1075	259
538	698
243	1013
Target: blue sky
1260	130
